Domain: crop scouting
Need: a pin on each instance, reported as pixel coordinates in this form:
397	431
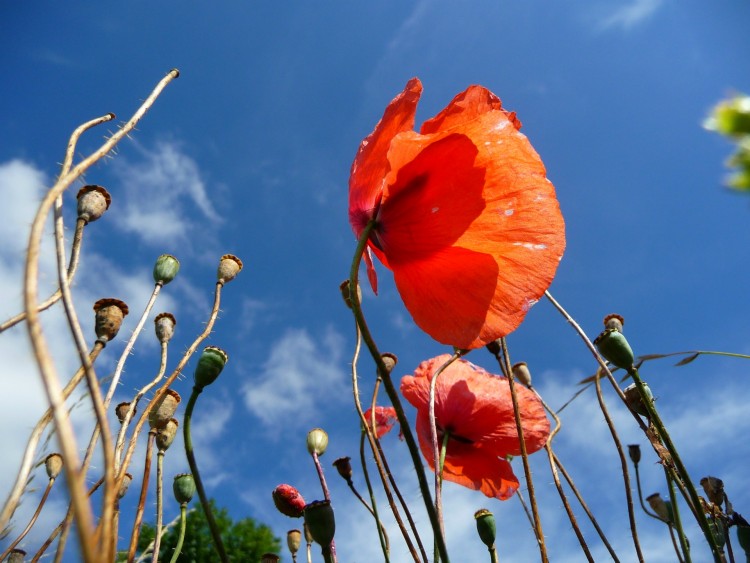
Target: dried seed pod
16	556
93	201
635	401
165	436
229	267
634	451
522	373
53	463
344	466
164	324
126	480
121	411
109	316
164	409
293	541
614	321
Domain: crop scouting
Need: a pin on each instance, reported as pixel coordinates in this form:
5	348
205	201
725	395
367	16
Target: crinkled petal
473	102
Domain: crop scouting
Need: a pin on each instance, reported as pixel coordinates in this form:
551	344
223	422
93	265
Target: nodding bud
16	556
614	321
269	558
126	480
714	488
93	201
344	466
521	373
209	367
347	294
293	541
614	347
229	267
53	463
317	441
164	324
485	526
121	411
662	508
165	436
109	316
166	269
288	501
635	401
389	360
164	409
634	451
183	488
321	522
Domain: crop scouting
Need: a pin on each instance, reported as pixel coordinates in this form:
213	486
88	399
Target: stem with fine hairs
136	531
31	522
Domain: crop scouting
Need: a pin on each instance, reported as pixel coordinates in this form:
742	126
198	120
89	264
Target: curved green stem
213	526
676	517
181	537
392	393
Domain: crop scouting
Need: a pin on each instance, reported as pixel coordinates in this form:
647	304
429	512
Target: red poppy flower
465	216
476	409
288	500
385	418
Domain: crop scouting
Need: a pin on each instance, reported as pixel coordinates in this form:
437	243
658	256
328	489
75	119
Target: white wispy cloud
630	14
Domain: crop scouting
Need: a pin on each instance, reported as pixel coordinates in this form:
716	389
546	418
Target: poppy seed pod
53	463
164	409
317	441
164	324
663	508
209	367
93	201
126	480
714	488
229	267
320	521
166	269
269	558
614	347
635	401
16	556
288	501
109	316
390	361
165	436
346	293
183	488
614	321
344	466
486	526
634	451
121	411
521	373
293	541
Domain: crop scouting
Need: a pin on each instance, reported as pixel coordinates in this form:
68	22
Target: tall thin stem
181	537
159	503
31	522
136	531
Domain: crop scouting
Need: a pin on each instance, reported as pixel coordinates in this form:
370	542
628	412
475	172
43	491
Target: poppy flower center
452	436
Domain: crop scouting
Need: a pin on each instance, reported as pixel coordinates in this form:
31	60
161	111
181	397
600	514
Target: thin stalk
31	522
439	464
384	543
493	553
212	525
393	393
136	531
159	503
327	495
677	520
640	494
149	550
181	537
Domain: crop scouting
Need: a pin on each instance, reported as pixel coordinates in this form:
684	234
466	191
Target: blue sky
248	152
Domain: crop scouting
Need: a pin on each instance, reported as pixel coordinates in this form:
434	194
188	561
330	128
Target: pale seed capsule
229	267
93	201
164	409
109	316
165	436
164	324
53	463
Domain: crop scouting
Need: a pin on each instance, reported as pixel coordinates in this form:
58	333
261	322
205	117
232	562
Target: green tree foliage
245	539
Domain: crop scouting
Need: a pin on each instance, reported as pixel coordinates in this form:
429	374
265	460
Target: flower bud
164	409
93	201
16	556
634	451
614	321
166	269
293	541
210	364
53	463
320	521
635	401
344	467
165	436
109	315
714	488
126	480
164	324
288	501
522	373
269	558
183	488
613	346
317	441
346	293
229	267
121	411
731	117
485	526
662	508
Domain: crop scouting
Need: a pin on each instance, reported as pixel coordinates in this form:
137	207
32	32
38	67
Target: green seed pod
486	527
320	521
317	441
183	487
166	269
210	364
614	347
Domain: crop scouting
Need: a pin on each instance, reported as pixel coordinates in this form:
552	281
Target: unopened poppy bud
166	269
347	295
661	507
164	324
126	480
183	488
16	556
614	321
269	558
210	364
109	315
288	501
344	466
229	267
293	541
522	373
389	360
613	346
165	436
635	401
485	526
93	201
320	521
121	410
317	441
714	488
164	409
53	463
634	451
